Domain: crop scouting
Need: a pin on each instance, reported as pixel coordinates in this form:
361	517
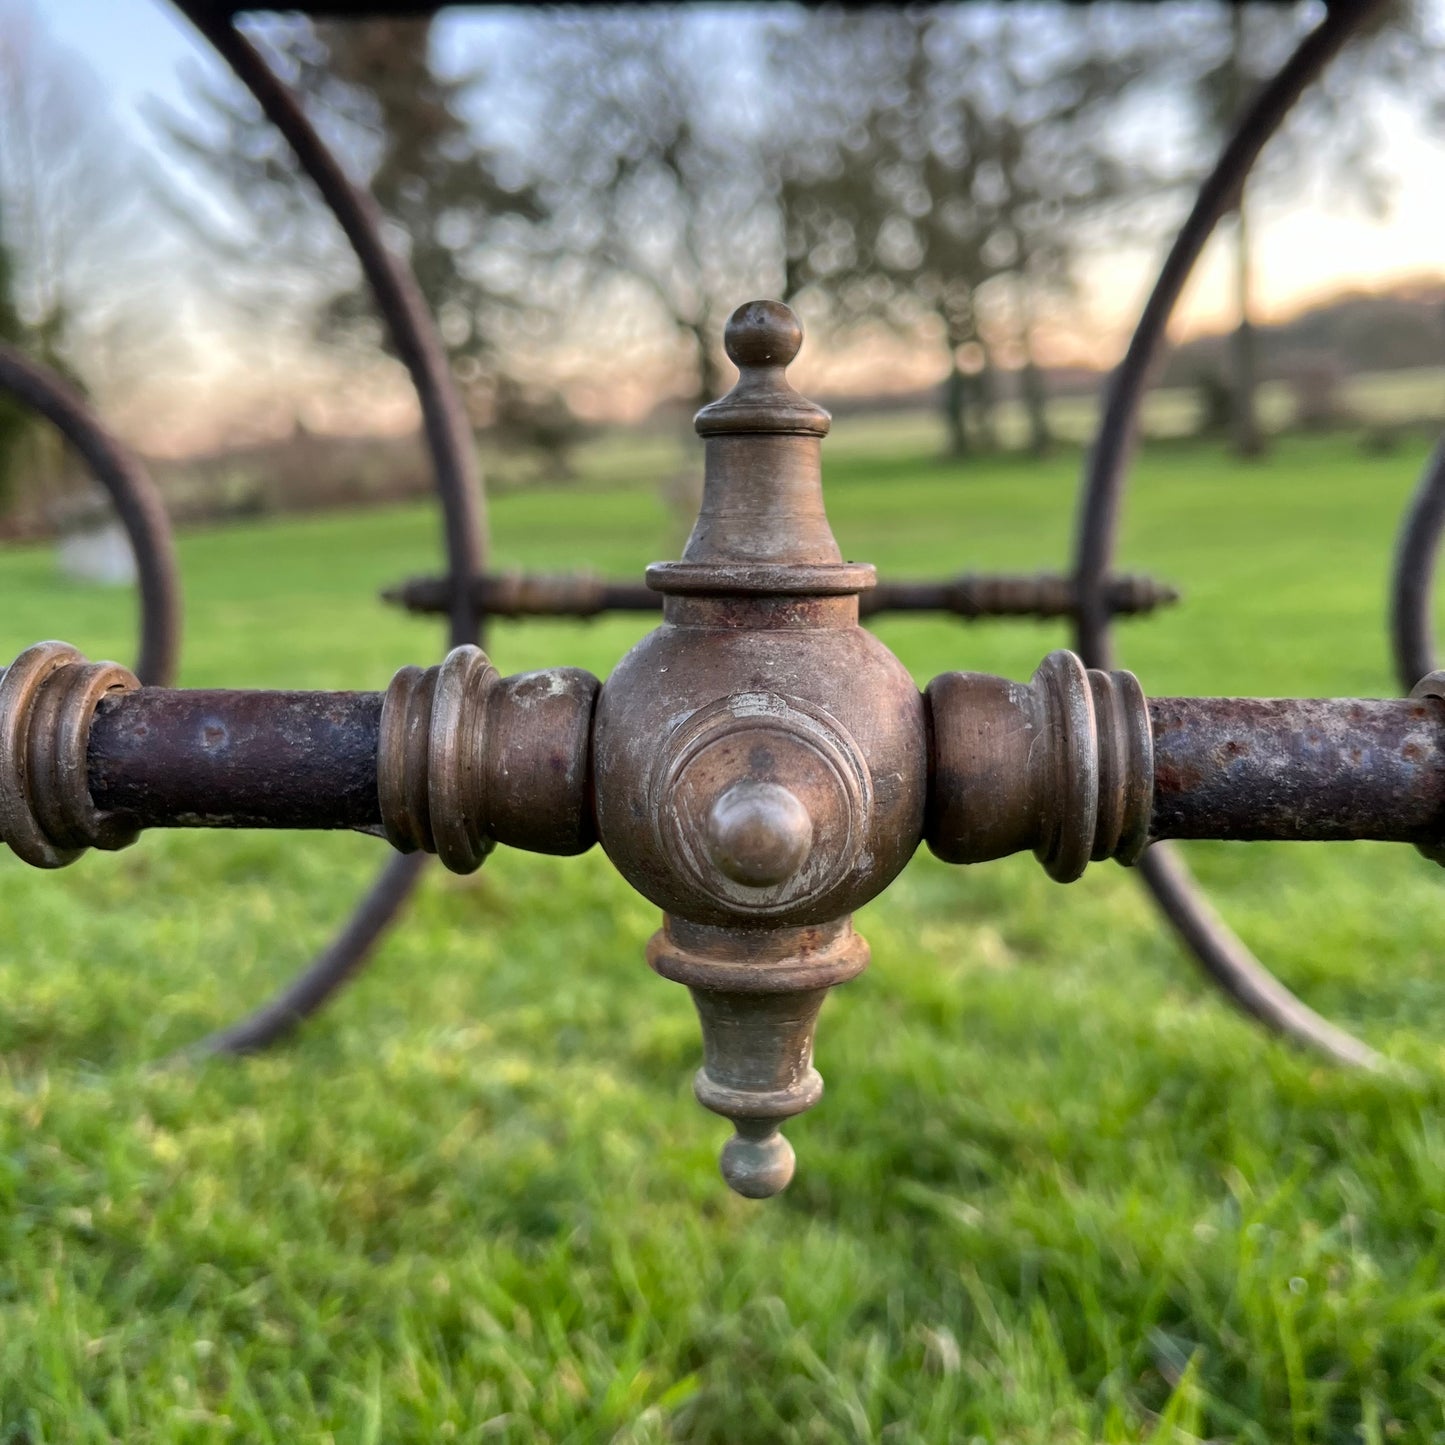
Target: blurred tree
537	419
14	420
64	179
957	165
1317	383
70	230
1334	131
373	88
1215	401
654	170
1223	90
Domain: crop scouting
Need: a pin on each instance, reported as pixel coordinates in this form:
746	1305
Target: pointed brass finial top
762	529
762	338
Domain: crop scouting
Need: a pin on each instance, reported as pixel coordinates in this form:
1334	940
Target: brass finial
762	528
762	338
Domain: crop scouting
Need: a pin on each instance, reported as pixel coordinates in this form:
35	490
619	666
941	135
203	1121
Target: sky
141	54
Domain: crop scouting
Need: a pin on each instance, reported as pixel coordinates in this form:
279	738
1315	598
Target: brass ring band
1066	762
430	781
48	697
1432	685
1101	786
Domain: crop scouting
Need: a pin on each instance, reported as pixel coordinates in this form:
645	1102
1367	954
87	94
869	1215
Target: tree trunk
1032	383
955	409
985	390
709	373
1036	405
1248	442
1244	416
795	274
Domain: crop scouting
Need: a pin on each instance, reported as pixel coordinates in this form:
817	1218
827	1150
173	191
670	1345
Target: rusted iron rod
970	596
1298	768
1412	587
201	759
531	594
1042	595
1292	769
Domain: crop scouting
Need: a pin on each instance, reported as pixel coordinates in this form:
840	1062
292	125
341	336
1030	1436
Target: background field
1056	1191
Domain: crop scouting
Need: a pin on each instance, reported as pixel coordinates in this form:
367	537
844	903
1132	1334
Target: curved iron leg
346	955
136	501
458	480
1223	957
1412	588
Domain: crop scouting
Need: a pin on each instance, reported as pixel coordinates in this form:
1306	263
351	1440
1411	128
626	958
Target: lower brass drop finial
758	1161
758	993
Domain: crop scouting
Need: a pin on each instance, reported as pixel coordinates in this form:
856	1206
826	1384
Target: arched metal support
134	496
1412	587
459	486
340	961
1221	954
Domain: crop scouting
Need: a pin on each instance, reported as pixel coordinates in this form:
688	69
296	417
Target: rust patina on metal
969	596
759	766
1297	769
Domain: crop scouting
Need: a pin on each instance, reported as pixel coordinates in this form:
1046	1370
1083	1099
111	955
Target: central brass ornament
760	761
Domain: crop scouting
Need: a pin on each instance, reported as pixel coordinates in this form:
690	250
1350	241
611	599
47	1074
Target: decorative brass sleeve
1064	766
467	759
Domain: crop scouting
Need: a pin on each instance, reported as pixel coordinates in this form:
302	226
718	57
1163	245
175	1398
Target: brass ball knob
759	834
762	333
758	1162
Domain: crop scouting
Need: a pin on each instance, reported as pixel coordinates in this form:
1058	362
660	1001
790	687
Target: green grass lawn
1056	1190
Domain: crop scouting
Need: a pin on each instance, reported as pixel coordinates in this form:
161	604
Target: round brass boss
762	801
